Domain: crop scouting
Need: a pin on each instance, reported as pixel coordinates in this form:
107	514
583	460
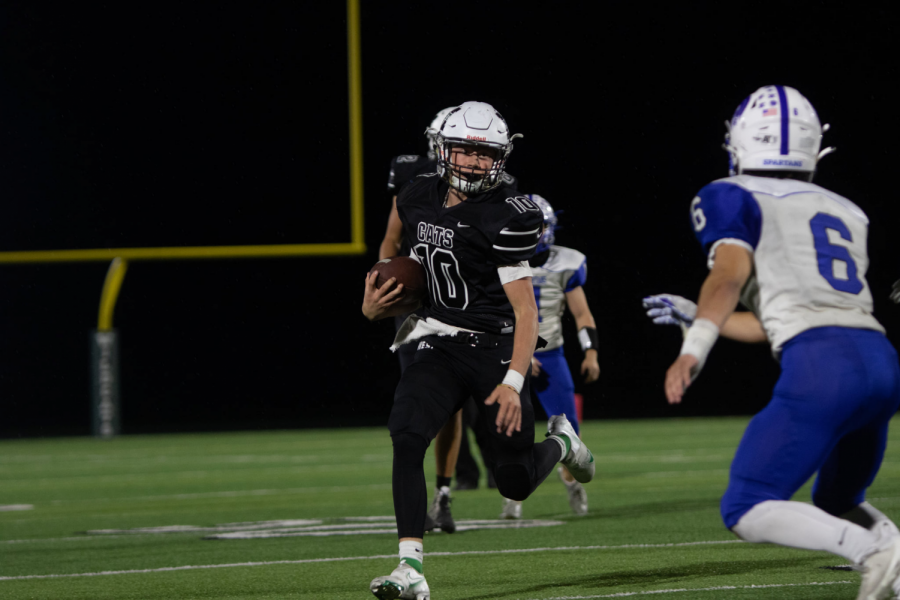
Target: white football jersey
809	252
565	270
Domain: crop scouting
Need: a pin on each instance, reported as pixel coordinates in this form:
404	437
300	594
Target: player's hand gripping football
377	302
679	377
509	417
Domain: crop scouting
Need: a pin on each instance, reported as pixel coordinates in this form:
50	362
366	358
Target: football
408	272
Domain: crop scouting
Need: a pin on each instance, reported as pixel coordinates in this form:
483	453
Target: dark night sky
154	125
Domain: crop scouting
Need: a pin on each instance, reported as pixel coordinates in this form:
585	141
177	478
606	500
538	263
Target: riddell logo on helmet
476	138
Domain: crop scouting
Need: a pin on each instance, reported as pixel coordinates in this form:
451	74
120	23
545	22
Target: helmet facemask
468	179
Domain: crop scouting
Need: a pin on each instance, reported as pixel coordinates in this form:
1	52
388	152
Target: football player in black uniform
451	444
474	237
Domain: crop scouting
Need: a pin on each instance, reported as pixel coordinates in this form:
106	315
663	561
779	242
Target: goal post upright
354	75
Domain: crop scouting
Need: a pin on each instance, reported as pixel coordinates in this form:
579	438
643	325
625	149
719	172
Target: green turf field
653	526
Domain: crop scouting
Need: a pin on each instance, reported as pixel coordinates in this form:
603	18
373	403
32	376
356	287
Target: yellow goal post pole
354	74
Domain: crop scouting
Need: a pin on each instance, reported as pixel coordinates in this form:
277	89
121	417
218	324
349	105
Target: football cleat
879	572
511	509
578	501
404	583
578	459
440	512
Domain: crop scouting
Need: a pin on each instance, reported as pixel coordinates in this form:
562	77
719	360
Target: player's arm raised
521	296
584	321
393	235
718	299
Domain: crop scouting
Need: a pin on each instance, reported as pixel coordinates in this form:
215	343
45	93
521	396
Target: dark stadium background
127	125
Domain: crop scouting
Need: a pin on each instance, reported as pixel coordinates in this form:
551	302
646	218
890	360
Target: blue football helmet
550	223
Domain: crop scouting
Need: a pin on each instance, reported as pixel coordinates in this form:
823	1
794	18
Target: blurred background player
404	169
473	236
558	276
451	446
795	254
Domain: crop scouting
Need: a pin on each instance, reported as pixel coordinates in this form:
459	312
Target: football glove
668	309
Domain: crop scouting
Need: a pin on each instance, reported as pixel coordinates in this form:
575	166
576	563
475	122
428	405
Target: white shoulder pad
563	259
780	188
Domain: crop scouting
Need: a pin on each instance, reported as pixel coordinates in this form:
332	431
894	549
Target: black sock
546	455
443	481
410	495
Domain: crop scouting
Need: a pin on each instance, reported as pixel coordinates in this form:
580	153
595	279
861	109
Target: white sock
444	490
803	526
867	516
413	553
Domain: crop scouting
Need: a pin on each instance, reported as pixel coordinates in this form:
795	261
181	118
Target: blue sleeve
724	210
578	277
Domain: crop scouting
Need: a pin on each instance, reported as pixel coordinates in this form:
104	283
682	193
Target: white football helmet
473	124
434	128
551	222
774	129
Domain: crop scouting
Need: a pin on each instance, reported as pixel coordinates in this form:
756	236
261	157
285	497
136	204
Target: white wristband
700	339
515	380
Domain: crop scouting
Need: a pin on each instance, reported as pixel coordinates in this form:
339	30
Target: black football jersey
462	246
407	167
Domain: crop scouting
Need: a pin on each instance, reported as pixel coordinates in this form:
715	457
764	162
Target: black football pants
442	375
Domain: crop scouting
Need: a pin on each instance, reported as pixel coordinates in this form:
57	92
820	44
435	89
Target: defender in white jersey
558	276
795	254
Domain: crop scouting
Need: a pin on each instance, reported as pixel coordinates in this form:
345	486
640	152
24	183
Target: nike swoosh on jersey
460	224
505	362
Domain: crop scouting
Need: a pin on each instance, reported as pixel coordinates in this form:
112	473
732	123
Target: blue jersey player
558	276
795	254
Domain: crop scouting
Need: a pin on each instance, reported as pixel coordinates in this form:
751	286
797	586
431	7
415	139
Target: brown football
408	272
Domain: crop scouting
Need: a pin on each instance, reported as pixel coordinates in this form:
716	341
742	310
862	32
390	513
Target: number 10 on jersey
447	285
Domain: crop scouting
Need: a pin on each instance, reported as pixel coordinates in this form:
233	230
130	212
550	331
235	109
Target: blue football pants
839	388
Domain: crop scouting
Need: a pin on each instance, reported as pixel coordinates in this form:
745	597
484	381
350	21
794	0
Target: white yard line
709	589
375	557
232	493
73	539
